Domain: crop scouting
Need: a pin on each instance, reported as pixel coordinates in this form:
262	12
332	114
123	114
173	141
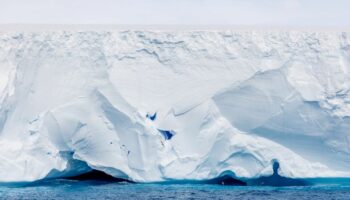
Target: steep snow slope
174	105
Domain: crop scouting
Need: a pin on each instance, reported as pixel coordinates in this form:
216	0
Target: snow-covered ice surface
170	105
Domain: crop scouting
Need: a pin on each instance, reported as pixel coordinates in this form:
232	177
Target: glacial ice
166	105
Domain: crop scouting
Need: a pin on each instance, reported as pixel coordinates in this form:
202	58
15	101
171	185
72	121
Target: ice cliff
167	105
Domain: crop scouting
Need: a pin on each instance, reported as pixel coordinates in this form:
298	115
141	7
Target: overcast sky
201	12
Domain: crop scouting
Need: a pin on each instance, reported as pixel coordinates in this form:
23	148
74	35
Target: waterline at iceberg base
249	107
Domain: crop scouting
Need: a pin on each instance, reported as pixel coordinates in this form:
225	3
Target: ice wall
174	105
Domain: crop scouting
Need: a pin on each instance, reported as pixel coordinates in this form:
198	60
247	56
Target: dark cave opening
96	175
276	180
226	180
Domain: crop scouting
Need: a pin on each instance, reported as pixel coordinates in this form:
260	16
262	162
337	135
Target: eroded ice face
174	105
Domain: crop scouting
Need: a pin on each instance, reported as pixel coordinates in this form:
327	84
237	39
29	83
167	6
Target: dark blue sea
72	189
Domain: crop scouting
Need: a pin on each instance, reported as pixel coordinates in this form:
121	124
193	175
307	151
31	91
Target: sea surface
72	189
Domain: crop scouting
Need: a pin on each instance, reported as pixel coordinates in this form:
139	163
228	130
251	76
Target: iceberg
174	105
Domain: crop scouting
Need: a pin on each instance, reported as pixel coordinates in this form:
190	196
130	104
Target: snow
165	105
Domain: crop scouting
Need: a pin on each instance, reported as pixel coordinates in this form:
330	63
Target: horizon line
161	27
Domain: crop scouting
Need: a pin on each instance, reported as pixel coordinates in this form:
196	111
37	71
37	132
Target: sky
304	13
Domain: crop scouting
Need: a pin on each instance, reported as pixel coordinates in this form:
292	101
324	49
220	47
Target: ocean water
71	189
